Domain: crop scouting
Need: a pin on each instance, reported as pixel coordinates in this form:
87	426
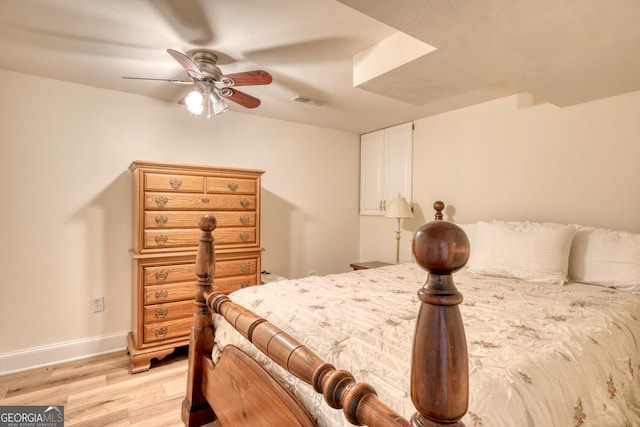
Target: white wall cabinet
385	167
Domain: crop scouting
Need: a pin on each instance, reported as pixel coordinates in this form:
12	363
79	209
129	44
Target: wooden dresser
168	201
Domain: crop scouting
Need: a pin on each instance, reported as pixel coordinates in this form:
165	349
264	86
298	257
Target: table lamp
398	209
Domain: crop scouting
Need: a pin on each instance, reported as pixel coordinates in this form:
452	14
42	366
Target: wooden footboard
238	387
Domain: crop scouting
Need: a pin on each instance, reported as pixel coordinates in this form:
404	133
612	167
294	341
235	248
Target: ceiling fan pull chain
207	102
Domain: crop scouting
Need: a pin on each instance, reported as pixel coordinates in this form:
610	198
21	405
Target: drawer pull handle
162	295
175	183
205	200
161	313
245	268
244	284
244	203
161	221
162	275
233	186
244	236
161	332
245	220
161	239
161	201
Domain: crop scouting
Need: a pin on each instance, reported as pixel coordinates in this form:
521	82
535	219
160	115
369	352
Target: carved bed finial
438	206
440	373
440	247
207	222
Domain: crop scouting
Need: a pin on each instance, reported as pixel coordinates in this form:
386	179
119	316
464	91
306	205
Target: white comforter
539	354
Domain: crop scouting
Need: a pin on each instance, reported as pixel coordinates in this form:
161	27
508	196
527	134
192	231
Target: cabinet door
385	167
397	162
372	173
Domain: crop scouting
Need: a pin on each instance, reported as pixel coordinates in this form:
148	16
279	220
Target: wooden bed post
195	409
440	371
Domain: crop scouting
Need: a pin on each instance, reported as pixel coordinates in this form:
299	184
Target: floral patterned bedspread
539	354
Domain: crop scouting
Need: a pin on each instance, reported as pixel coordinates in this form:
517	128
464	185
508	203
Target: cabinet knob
161	313
245	268
162	295
244	236
161	332
244	284
162	275
244	220
161	201
205	200
175	183
244	203
161	221
161	239
233	186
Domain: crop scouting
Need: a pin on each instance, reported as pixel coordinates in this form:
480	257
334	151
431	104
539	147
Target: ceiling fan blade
187	63
238	97
247	78
182	82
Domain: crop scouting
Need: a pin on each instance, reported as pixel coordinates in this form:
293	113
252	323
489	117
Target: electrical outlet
97	304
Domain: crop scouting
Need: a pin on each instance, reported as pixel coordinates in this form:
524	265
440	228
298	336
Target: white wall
65	226
521	159
66	216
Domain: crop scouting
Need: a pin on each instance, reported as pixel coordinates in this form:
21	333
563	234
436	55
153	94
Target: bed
551	335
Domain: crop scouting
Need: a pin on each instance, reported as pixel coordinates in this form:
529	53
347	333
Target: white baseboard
63	352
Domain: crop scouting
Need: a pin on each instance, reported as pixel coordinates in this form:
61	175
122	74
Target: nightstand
367	265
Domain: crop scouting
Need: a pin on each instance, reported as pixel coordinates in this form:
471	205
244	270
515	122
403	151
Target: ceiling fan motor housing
206	62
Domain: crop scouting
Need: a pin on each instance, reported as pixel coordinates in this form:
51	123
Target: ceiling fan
211	86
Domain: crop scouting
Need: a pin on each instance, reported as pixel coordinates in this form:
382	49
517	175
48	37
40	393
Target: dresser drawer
154	239
187	201
158	275
229	284
238	267
158	294
231	185
182	219
235	236
169	311
167	330
177	182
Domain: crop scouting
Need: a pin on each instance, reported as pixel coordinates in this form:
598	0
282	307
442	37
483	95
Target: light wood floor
100	391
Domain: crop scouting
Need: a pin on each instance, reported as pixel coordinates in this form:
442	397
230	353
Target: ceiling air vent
307	100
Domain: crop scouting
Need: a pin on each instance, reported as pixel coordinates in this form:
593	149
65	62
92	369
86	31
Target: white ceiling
562	51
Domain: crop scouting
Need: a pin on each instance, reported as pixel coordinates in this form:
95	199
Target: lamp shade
399	208
219	106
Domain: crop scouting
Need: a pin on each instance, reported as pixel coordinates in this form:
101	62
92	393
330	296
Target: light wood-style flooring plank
99	391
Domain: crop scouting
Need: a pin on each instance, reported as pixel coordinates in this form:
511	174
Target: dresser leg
140	360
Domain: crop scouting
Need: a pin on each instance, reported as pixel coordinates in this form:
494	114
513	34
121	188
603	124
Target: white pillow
528	251
606	257
470	230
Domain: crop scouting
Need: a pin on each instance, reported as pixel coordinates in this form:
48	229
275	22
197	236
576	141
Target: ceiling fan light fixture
195	102
219	106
